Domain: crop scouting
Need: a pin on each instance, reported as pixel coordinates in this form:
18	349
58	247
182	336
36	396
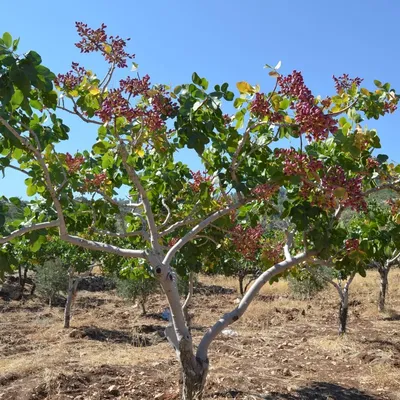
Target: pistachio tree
142	126
379	233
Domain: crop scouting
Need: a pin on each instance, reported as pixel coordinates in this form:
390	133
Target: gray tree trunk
343	312
194	372
72	288
383	272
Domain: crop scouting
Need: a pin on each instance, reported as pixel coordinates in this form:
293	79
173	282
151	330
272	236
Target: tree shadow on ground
382	344
315	391
115	336
393	317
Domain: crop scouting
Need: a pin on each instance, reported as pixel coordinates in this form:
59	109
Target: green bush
51	278
305	285
138	287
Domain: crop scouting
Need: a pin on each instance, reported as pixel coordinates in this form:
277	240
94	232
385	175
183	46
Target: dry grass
292	342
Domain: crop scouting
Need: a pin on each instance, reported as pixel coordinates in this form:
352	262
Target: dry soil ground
284	348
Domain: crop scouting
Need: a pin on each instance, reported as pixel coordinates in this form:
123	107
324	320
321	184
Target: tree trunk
383	272
72	288
142	303
343	312
194	372
241	288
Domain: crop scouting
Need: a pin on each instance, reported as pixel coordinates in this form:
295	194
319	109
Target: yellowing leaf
397	219
274	74
340	193
73	93
107	48
288	120
365	91
140	152
94	90
244	87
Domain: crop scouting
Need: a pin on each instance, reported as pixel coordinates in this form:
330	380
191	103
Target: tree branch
26	229
198	228
234	315
104	247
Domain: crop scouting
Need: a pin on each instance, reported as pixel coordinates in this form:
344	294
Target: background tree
142	126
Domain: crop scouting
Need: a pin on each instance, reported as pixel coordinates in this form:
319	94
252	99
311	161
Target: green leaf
378	83
229	96
31	190
196	79
17	98
7	39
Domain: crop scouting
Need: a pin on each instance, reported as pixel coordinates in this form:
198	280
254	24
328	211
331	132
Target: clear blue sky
223	41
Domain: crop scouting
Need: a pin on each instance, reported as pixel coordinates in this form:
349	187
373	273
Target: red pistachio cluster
310	118
272	251
261	107
265	191
295	163
372	163
198	179
336	178
172	242
96	181
247	240
111	47
327	192
344	82
116	104
352	245
73	163
72	78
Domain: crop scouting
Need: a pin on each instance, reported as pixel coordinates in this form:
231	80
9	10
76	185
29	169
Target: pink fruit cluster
261	107
352	245
344	82
73	163
310	118
265	191
71	79
112	48
247	240
198	178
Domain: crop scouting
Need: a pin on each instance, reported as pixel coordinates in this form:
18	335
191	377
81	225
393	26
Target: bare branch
143	195
198	228
288	245
167	218
104	247
75	111
394	186
17	169
26	229
235	314
394	259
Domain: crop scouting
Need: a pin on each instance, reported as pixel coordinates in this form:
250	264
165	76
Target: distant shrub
138	287
51	279
306	285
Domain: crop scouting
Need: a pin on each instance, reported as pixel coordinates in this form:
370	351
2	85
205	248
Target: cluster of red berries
247	241
372	163
310	118
71	79
295	163
336	178
261	107
96	181
112	48
172	242
73	163
198	179
344	82
272	251
352	245
265	191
